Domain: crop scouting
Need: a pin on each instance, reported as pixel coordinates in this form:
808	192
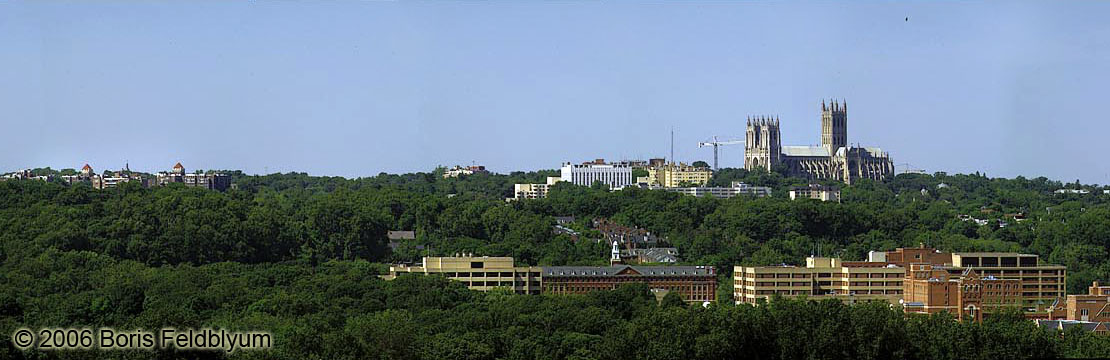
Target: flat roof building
1041	287
616	176
816	192
821	278
673	175
481	273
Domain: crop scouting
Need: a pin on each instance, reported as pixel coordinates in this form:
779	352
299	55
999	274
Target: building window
476	265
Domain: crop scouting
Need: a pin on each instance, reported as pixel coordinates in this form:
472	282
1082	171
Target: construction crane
907	168
715	143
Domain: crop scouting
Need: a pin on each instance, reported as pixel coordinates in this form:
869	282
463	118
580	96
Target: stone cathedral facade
833	159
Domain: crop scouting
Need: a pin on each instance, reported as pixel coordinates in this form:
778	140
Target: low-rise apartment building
675	175
720	192
482	273
821	278
816	192
534	191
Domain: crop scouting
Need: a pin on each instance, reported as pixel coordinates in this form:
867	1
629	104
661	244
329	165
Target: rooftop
814	150
626	270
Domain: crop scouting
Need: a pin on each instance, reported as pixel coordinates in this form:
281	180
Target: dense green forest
298	255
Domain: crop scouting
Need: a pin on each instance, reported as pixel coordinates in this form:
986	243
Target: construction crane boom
715	143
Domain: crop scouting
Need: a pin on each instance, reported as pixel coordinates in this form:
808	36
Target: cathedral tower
763	146
834	126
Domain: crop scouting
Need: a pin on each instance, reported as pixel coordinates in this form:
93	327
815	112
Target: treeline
296	217
298	255
341	310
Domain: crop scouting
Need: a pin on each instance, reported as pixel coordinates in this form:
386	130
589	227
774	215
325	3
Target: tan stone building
482	273
834	159
821	278
1093	306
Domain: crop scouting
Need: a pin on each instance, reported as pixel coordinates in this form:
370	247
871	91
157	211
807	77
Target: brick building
1041	287
694	283
967	295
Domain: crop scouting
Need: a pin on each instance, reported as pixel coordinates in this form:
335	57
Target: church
833	159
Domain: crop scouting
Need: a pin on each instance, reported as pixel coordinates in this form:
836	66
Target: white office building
614	175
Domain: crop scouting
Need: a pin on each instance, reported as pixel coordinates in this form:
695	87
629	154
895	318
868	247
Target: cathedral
833	159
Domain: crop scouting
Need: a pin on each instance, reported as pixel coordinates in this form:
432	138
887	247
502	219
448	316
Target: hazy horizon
357	88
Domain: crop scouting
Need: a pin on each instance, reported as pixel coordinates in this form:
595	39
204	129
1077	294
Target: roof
657	255
626	270
991	254
397	235
1051	325
805	151
873	151
178	166
86	167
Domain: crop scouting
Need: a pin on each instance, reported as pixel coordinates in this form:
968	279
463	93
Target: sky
355	88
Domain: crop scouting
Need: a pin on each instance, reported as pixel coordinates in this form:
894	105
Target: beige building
482	273
534	191
816	192
821	278
676	175
1092	306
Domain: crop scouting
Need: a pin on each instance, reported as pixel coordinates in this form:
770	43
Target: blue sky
355	88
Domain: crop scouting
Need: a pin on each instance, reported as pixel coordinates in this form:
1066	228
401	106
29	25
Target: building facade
720	192
534	191
967	295
478	273
211	181
834	159
616	176
469	170
674	175
696	284
816	192
821	278
1040	288
1093	306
